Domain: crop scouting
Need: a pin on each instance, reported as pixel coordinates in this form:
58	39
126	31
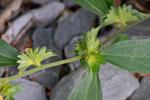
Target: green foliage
122	37
121	16
8	54
88	88
99	7
8	91
89	49
131	55
33	57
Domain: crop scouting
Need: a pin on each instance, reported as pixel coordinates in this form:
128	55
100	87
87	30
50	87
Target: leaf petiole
12	78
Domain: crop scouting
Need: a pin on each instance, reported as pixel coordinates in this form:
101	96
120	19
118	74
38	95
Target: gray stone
30	90
64	15
116	84
68	50
77	23
43	37
143	92
42	17
47	14
43	2
48	77
140	30
69	3
65	86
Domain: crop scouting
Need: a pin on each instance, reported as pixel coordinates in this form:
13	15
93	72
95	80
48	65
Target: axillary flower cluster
33	57
123	15
89	49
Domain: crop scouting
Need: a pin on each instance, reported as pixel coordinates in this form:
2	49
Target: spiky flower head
33	57
8	91
121	16
88	48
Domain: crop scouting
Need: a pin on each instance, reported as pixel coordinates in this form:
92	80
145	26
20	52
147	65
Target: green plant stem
12	78
116	33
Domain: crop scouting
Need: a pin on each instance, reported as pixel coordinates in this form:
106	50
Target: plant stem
12	78
116	33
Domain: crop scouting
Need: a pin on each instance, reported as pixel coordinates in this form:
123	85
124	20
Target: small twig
7	13
22	33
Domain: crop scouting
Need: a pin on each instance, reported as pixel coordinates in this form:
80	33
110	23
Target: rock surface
43	2
143	92
140	30
40	17
68	50
77	23
64	87
116	84
69	3
47	78
48	13
42	37
30	90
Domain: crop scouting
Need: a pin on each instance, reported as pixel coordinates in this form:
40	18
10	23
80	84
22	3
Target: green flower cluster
8	91
121	16
89	49
33	57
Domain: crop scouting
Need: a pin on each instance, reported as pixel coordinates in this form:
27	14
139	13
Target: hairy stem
12	78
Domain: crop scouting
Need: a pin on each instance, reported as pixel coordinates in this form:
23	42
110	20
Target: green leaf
9	98
8	54
131	55
14	90
122	37
99	7
88	88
